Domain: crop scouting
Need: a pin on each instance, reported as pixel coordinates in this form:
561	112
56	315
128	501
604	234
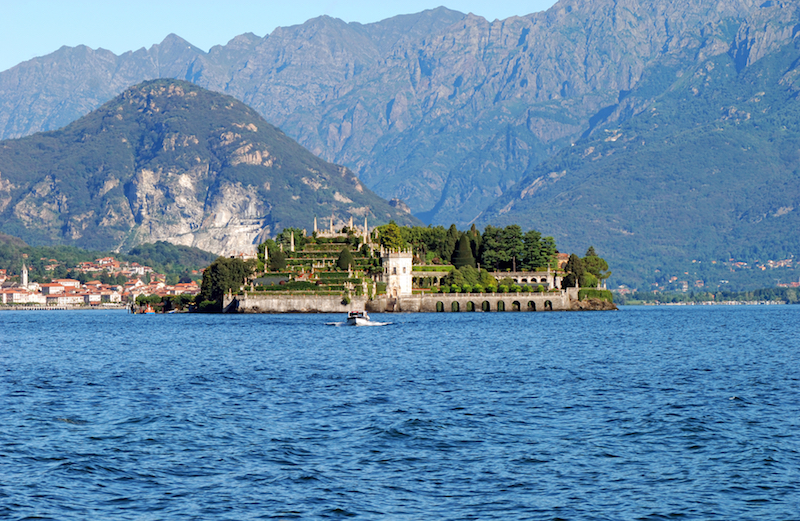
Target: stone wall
437	302
262	303
457	302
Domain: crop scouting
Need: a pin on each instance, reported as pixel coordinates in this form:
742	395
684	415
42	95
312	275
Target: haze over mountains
461	118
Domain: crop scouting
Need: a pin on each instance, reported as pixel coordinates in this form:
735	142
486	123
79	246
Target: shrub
345	259
515	288
466	288
477	288
539	289
444	289
502	288
209	306
455	289
588	280
602	294
491	289
277	261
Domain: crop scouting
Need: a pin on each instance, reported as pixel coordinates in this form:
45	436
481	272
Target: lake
646	413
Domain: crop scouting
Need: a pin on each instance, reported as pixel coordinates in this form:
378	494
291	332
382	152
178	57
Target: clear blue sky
30	28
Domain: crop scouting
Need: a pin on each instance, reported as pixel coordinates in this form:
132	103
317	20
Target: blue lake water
645	413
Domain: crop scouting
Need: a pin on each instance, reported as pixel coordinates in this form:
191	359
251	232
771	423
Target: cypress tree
345	259
450	243
277	260
463	254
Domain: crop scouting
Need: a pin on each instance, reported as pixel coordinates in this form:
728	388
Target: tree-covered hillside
708	175
47	262
168	160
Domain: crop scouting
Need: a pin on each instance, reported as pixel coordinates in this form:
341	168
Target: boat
358	318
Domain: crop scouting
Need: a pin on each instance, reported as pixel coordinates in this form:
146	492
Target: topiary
345	259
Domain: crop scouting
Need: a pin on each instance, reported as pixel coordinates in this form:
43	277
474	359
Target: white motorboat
358	318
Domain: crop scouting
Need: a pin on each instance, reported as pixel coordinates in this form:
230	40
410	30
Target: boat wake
345	324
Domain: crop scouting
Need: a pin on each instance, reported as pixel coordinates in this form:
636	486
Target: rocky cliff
168	160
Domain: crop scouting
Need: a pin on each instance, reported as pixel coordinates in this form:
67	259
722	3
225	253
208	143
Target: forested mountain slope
709	173
169	161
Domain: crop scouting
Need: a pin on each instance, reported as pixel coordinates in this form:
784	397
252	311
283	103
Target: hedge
433	268
602	294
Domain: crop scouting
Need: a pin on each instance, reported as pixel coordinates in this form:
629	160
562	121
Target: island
390	268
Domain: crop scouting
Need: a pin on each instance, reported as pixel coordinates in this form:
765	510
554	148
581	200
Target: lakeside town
71	292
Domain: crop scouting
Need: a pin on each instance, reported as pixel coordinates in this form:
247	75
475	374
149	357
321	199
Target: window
404	269
394	270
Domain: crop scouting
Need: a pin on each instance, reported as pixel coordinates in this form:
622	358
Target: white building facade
397	272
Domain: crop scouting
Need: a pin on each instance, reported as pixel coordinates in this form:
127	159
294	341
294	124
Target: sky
30	28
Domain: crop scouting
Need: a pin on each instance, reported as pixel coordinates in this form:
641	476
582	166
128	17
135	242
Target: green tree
596	266
221	276
513	244
391	237
575	271
277	260
345	259
538	252
503	248
285	238
450	242
469	275
475	241
463	253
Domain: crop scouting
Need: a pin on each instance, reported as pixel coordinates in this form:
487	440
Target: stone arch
440	307
548	306
524	281
485	306
531	305
455	307
516	306
470	306
501	306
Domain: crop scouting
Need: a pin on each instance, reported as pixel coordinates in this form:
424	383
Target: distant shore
23	307
712	303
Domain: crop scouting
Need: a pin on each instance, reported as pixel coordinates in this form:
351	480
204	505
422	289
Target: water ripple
644	414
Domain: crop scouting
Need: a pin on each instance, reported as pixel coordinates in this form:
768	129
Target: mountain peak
168	160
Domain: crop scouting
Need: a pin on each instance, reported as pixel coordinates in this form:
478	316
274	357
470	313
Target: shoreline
723	303
33	307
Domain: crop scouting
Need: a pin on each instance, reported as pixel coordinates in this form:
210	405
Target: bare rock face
400	205
593	304
169	161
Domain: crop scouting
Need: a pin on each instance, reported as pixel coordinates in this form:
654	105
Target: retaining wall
437	302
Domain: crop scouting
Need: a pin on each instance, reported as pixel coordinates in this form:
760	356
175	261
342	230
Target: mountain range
536	119
167	160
